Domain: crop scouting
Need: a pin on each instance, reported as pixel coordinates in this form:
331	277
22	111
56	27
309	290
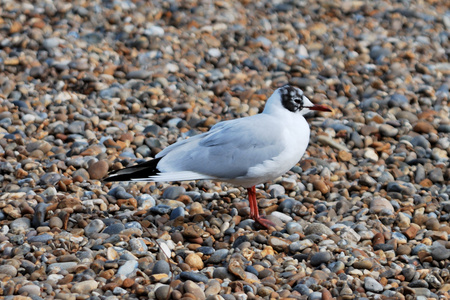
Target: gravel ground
87	87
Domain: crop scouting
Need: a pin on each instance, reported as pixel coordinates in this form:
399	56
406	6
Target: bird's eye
298	101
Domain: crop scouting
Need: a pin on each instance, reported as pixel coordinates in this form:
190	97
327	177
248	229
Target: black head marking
292	98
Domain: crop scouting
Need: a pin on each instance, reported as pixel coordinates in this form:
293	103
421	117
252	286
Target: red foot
254	213
263	221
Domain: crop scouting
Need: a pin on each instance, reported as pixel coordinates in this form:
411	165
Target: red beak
319	107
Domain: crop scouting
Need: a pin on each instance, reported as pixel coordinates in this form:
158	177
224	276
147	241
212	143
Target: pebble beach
88	87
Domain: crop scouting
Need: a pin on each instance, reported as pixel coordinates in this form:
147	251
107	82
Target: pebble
95	226
20	225
196	277
218	256
84	287
173	192
8	270
319	229
194	289
161	267
98	170
320	258
127	268
372	285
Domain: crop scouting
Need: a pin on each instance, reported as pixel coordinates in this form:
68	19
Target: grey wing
228	150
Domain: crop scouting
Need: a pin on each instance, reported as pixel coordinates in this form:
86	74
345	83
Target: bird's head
292	98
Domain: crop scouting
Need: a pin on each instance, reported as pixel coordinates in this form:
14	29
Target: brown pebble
26	209
98	170
193	231
363	264
176	295
321	186
412	230
193	288
424	127
235	268
345	155
128	282
419	219
378	239
194	261
55	222
403	250
432	224
326	295
67	279
196	208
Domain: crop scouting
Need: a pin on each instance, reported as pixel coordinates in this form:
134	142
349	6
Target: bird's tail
135	173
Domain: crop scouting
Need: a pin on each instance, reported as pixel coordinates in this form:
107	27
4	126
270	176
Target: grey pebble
194	276
161	209
218	256
222	273
161	267
42	238
173	192
8	270
62	266
319	229
127	268
114	228
95	226
177	212
440	253
372	285
20	225
320	258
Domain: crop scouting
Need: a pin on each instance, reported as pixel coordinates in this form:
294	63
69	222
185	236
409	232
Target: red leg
254	212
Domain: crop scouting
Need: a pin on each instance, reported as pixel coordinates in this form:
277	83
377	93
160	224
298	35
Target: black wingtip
139	171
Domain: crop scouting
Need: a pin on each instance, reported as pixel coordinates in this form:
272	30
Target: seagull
245	152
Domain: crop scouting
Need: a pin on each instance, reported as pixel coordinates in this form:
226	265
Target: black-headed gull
244	152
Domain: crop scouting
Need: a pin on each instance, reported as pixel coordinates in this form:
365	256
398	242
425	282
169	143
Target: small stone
424	127
411	231
194	261
115	228
173	192
436	175
371	155
440	253
321	186
20	225
345	155
161	267
372	285
196	208
196	277
127	268
363	264
193	231
31	289
193	288
293	227
8	270
388	130
218	256
98	170
95	226
320	258
162	292
319	229
55	222
84	287
381	206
